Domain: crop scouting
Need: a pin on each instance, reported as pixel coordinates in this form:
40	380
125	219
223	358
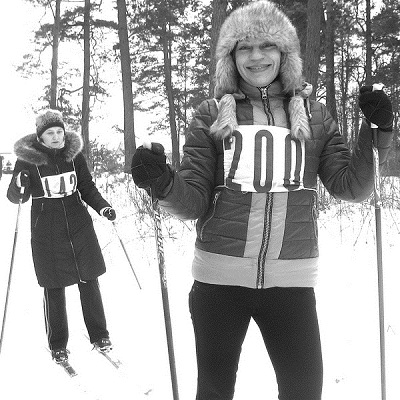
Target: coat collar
30	150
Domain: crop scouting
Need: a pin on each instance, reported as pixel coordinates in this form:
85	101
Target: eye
268	46
243	46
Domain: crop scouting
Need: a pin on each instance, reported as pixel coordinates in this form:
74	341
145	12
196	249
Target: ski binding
109	356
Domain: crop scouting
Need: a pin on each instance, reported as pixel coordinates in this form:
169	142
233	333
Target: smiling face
53	137
258	61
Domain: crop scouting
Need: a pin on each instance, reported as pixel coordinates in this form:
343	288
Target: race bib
260	158
57	186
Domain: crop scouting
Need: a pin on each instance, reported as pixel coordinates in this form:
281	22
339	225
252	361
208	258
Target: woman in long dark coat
51	168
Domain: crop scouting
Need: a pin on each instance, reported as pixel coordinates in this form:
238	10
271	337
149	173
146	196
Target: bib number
263	159
57	186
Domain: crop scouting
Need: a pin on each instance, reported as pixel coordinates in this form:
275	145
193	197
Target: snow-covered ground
346	294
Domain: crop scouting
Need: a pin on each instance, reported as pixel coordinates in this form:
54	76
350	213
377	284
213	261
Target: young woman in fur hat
249	176
51	168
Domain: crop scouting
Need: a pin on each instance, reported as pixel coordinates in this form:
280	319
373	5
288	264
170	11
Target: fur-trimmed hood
29	149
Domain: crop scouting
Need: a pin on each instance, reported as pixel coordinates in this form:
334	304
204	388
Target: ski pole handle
376	86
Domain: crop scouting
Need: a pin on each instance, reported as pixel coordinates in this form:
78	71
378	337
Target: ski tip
68	368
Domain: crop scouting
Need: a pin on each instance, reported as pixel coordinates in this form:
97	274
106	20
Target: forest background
120	70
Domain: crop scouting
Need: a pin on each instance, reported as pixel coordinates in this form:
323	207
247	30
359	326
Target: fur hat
263	20
48	119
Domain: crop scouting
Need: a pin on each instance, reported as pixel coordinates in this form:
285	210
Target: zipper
314	214
266	104
265	241
71	244
214	202
37	218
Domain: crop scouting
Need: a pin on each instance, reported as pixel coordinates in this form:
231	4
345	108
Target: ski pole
164	293
378	224
126	254
21	193
163	279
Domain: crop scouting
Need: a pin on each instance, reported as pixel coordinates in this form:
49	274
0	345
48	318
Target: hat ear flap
291	71
226	77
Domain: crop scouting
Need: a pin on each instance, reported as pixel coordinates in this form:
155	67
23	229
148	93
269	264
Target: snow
347	301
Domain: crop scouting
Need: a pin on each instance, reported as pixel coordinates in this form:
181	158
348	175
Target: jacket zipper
69	236
214	202
71	244
37	218
265	241
266	104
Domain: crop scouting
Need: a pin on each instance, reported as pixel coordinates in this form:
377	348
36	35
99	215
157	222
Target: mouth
259	68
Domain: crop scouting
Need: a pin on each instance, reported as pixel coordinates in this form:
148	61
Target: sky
18	20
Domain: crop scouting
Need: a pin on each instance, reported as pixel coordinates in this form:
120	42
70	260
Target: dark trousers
55	313
288	322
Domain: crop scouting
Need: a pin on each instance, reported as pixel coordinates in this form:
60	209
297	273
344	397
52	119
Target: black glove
23	179
109	213
377	107
149	169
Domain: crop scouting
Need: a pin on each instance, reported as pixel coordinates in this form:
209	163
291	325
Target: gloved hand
377	107
23	179
109	213
149	169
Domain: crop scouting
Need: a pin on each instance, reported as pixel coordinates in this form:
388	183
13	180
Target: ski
67	368
65	365
107	354
110	357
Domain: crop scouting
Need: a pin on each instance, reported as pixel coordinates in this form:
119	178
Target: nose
256	53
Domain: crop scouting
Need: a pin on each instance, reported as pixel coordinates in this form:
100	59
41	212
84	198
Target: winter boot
59	355
104	345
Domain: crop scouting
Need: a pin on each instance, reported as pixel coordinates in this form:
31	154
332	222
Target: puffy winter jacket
65	248
255	196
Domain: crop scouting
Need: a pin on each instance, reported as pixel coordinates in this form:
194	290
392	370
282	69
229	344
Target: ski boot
60	355
104	345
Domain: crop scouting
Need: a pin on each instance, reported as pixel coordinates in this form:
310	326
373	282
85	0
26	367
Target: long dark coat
65	248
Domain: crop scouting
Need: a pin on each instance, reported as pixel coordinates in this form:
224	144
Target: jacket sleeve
350	175
193	184
86	186
14	192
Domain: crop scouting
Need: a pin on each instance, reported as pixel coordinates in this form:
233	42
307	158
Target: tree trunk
129	127
170	95
344	86
368	44
54	61
311	64
330	60
86	83
218	16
